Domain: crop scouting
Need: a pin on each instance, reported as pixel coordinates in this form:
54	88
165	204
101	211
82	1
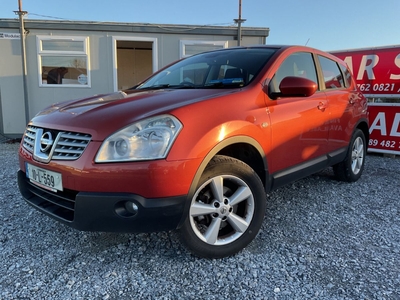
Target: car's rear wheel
226	211
352	167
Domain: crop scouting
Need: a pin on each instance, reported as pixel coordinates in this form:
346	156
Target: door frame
115	39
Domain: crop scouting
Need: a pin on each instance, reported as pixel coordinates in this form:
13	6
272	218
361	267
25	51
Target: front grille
29	138
64	146
70	145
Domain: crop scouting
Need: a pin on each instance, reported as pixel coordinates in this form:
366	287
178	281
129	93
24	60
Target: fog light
126	209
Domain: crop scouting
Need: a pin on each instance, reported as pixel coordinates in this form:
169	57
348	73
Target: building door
134	60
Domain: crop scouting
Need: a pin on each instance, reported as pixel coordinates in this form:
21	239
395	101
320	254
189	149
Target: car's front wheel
351	168
226	211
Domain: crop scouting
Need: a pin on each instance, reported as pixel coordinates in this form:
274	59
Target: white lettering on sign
379	124
395	127
397	63
368	62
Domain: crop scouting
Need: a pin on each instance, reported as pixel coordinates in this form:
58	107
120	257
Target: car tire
226	210
351	168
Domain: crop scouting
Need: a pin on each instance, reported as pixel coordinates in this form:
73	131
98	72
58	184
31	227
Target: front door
299	132
134	61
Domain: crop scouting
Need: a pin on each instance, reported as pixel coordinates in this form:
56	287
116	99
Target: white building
99	57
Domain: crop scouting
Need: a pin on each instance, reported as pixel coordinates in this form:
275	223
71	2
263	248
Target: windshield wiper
168	86
154	87
228	82
219	83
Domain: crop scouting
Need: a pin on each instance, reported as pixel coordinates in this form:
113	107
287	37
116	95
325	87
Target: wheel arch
243	148
363	126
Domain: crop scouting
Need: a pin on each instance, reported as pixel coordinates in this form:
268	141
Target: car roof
279	48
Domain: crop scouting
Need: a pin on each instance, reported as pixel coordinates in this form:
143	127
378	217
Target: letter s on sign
397	63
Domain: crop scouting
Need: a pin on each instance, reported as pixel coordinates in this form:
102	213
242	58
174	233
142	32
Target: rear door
336	85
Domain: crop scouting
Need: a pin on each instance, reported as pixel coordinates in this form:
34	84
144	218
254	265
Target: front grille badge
44	146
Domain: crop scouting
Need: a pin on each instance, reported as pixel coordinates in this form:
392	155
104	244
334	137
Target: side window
346	75
63	61
299	64
332	74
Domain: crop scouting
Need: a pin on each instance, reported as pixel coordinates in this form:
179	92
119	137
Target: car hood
101	115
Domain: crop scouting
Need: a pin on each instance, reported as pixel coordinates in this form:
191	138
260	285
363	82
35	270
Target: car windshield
217	69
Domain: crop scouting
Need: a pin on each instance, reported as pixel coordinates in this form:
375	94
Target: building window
189	48
63	61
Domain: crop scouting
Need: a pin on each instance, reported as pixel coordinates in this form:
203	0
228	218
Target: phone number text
377	87
390	144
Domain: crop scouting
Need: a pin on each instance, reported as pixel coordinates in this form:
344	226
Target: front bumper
112	212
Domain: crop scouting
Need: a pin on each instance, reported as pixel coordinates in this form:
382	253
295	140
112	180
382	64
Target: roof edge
134	27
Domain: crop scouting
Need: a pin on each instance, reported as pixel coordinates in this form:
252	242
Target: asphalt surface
321	239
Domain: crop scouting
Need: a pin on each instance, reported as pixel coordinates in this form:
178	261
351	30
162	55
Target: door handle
322	106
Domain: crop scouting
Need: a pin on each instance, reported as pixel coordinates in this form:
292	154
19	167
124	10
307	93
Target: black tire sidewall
343	170
222	165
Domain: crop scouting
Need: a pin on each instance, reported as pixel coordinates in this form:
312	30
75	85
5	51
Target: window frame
275	85
63	53
183	44
339	68
347	76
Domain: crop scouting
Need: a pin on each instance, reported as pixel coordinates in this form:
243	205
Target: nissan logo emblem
46	141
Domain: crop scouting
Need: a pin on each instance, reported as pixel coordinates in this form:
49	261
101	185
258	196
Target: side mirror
293	86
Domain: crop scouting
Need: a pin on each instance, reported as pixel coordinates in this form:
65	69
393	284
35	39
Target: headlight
147	139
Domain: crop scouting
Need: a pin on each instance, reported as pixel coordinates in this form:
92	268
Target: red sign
376	70
384	128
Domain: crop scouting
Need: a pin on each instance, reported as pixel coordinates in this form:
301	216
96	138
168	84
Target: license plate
47	179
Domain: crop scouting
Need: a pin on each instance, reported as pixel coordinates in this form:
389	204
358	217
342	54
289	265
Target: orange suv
197	145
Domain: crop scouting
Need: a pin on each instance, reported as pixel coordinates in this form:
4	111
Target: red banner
376	70
384	128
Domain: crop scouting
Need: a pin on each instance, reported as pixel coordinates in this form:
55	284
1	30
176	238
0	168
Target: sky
322	24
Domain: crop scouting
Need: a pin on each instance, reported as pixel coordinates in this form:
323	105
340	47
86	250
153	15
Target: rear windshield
226	68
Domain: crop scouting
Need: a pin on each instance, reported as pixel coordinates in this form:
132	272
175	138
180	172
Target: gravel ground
321	239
